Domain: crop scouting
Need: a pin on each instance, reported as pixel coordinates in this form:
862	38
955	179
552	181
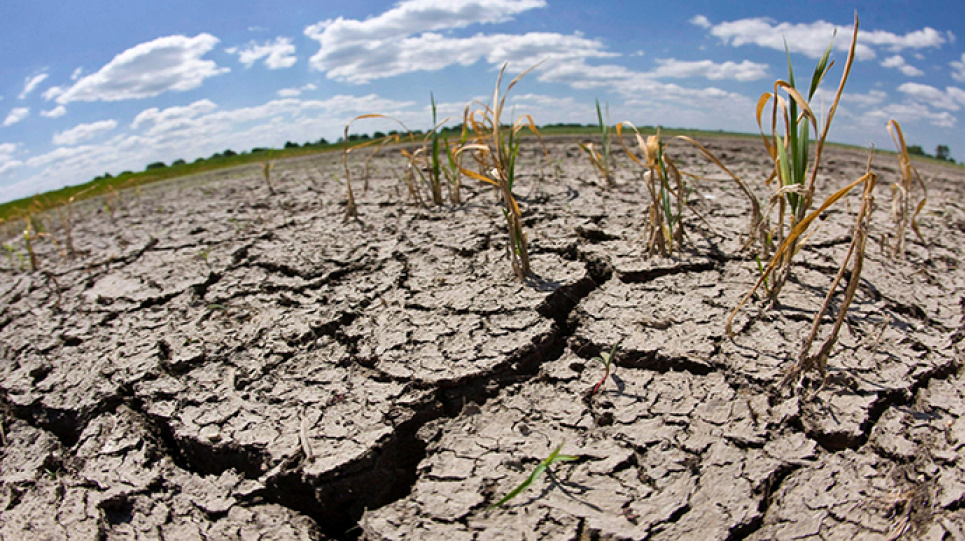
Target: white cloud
872	98
31	83
56	112
83	132
406	39
16	115
197	130
178	126
744	71
656	102
951	99
171	63
78	71
155	116
700	20
432	52
918	39
52	92
7	162
913	112
295	92
958	69
898	62
277	54
812	39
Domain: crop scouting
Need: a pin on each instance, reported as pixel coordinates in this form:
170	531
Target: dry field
222	362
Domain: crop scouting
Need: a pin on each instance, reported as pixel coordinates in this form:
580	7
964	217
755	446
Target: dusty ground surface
221	363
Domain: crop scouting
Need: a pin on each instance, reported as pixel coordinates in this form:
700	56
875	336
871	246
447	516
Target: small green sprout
607	360
552	459
203	253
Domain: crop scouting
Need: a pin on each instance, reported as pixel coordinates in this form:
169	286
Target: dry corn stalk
855	255
495	148
901	200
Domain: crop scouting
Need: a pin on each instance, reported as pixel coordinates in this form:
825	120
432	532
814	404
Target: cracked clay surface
221	363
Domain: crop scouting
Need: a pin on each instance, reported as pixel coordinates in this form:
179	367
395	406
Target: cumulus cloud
869	99
31	83
912	112
950	99
409	38
812	39
16	115
56	112
918	39
198	129
898	62
171	63
7	161
156	116
278	54
700	20
295	92
743	71
958	69
83	132
432	52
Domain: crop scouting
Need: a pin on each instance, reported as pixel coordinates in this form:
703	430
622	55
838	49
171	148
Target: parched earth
219	362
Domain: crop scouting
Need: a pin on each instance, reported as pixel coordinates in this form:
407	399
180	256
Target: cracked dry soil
219	363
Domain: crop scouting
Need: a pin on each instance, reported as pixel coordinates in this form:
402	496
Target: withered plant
426	163
904	211
495	147
601	158
668	190
351	209
794	167
266	167
797	174
33	230
855	256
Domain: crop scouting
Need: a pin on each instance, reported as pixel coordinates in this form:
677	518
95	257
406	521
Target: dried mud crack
224	363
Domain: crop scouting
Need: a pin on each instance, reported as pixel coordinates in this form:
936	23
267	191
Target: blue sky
89	87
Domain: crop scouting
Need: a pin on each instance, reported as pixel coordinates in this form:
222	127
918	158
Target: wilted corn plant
266	167
33	230
495	148
795	169
351	209
855	255
666	202
901	200
66	216
601	158
668	191
427	158
790	154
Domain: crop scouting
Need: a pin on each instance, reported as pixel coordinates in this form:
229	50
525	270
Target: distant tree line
941	152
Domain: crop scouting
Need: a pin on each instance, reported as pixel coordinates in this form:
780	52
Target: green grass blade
790	67
599	116
821	69
553	458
